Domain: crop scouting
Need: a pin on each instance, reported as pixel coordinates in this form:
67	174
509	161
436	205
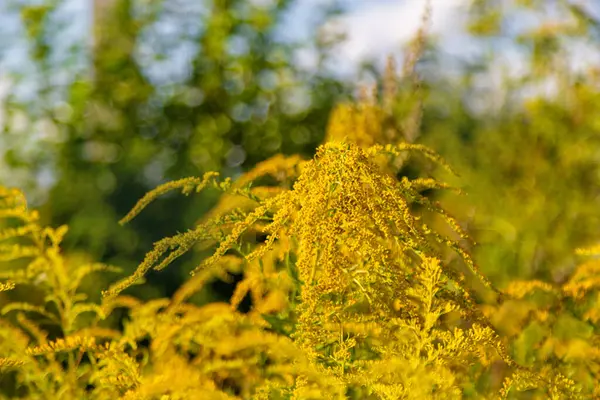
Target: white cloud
377	28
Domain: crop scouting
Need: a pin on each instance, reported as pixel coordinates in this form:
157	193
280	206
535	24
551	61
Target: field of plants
252	229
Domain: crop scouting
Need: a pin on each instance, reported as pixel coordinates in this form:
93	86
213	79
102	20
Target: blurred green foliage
167	89
526	149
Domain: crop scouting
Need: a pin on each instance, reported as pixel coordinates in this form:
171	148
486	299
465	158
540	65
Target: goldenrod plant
359	285
44	336
350	299
553	326
353	296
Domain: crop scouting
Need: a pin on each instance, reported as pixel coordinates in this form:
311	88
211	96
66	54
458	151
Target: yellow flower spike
187	185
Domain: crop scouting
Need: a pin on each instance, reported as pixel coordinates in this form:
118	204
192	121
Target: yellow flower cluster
354	293
352	278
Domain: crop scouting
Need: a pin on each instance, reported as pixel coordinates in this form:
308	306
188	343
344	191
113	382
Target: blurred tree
526	147
167	89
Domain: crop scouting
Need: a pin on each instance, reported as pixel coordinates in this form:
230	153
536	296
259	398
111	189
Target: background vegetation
162	90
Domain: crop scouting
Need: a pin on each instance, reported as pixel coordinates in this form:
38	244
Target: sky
382	27
375	29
